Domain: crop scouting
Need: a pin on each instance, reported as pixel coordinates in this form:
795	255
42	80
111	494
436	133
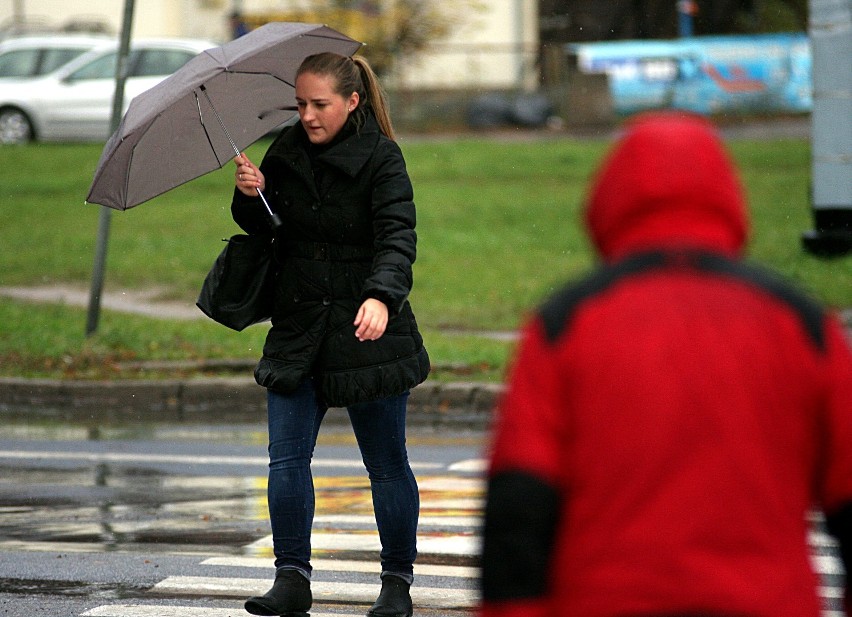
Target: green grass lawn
498	225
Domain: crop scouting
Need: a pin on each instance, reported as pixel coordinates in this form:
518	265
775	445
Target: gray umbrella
202	116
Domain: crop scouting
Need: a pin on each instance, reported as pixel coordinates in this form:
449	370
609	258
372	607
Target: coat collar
349	155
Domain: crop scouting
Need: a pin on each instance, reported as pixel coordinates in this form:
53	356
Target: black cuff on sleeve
521	516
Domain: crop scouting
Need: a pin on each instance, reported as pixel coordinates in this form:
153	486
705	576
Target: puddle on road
104	507
84	589
100	506
126	508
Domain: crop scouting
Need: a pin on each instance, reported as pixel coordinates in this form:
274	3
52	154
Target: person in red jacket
673	419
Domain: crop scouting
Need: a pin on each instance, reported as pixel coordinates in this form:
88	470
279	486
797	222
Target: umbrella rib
263	114
330	37
206	133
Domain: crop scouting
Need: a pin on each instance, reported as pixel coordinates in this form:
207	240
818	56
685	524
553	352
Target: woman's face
322	111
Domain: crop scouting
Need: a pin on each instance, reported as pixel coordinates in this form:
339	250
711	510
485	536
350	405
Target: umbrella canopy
217	104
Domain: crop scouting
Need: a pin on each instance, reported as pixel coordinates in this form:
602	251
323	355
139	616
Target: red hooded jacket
671	419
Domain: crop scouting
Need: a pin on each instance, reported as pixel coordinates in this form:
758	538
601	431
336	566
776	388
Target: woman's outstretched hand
248	177
371	321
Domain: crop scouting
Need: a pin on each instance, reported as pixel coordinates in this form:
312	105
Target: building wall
151	18
496	48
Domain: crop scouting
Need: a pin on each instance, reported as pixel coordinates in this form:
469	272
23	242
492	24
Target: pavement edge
235	400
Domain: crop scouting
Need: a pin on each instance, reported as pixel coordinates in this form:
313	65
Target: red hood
668	182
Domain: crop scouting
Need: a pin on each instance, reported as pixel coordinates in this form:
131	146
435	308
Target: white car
74	102
31	56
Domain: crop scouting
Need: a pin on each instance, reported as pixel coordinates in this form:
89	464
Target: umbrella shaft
265	203
222	124
275	220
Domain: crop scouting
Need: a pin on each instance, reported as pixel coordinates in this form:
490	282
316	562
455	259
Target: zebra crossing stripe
426	545
141	610
473	465
830	592
818	538
827	564
426	597
186	459
368	520
454	484
344	565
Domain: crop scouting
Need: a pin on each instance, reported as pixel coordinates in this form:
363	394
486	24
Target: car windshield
144	63
30	62
99	68
161	62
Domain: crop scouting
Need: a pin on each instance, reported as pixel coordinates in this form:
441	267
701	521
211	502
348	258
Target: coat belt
326	251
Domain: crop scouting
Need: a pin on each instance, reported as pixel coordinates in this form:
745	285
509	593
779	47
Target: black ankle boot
290	595
394	599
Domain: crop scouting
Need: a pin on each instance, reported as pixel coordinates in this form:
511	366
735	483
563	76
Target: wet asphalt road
157	522
171	522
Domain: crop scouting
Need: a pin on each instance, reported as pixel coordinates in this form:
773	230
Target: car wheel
15	126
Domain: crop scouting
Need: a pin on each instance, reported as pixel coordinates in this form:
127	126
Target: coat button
326	301
315	207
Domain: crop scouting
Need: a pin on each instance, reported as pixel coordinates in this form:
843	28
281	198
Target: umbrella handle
274	219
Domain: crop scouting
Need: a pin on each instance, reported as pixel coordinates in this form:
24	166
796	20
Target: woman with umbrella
343	333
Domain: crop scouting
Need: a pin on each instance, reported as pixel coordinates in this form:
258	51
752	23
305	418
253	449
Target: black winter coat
347	235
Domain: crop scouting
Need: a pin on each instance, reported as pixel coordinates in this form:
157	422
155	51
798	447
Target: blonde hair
353	75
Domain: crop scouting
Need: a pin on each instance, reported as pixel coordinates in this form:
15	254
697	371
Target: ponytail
353	75
376	97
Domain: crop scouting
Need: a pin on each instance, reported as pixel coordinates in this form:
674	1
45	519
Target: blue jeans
379	426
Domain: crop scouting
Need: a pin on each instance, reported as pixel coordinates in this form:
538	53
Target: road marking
186	459
426	545
453	484
426	597
827	564
830	592
139	610
345	565
817	538
87	547
368	520
473	465
452	504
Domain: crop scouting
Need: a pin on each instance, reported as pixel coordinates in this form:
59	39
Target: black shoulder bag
239	289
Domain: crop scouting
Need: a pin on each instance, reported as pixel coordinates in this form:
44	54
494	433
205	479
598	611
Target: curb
224	400
235	400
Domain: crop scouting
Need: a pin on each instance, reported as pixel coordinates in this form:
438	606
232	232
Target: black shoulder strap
558	311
